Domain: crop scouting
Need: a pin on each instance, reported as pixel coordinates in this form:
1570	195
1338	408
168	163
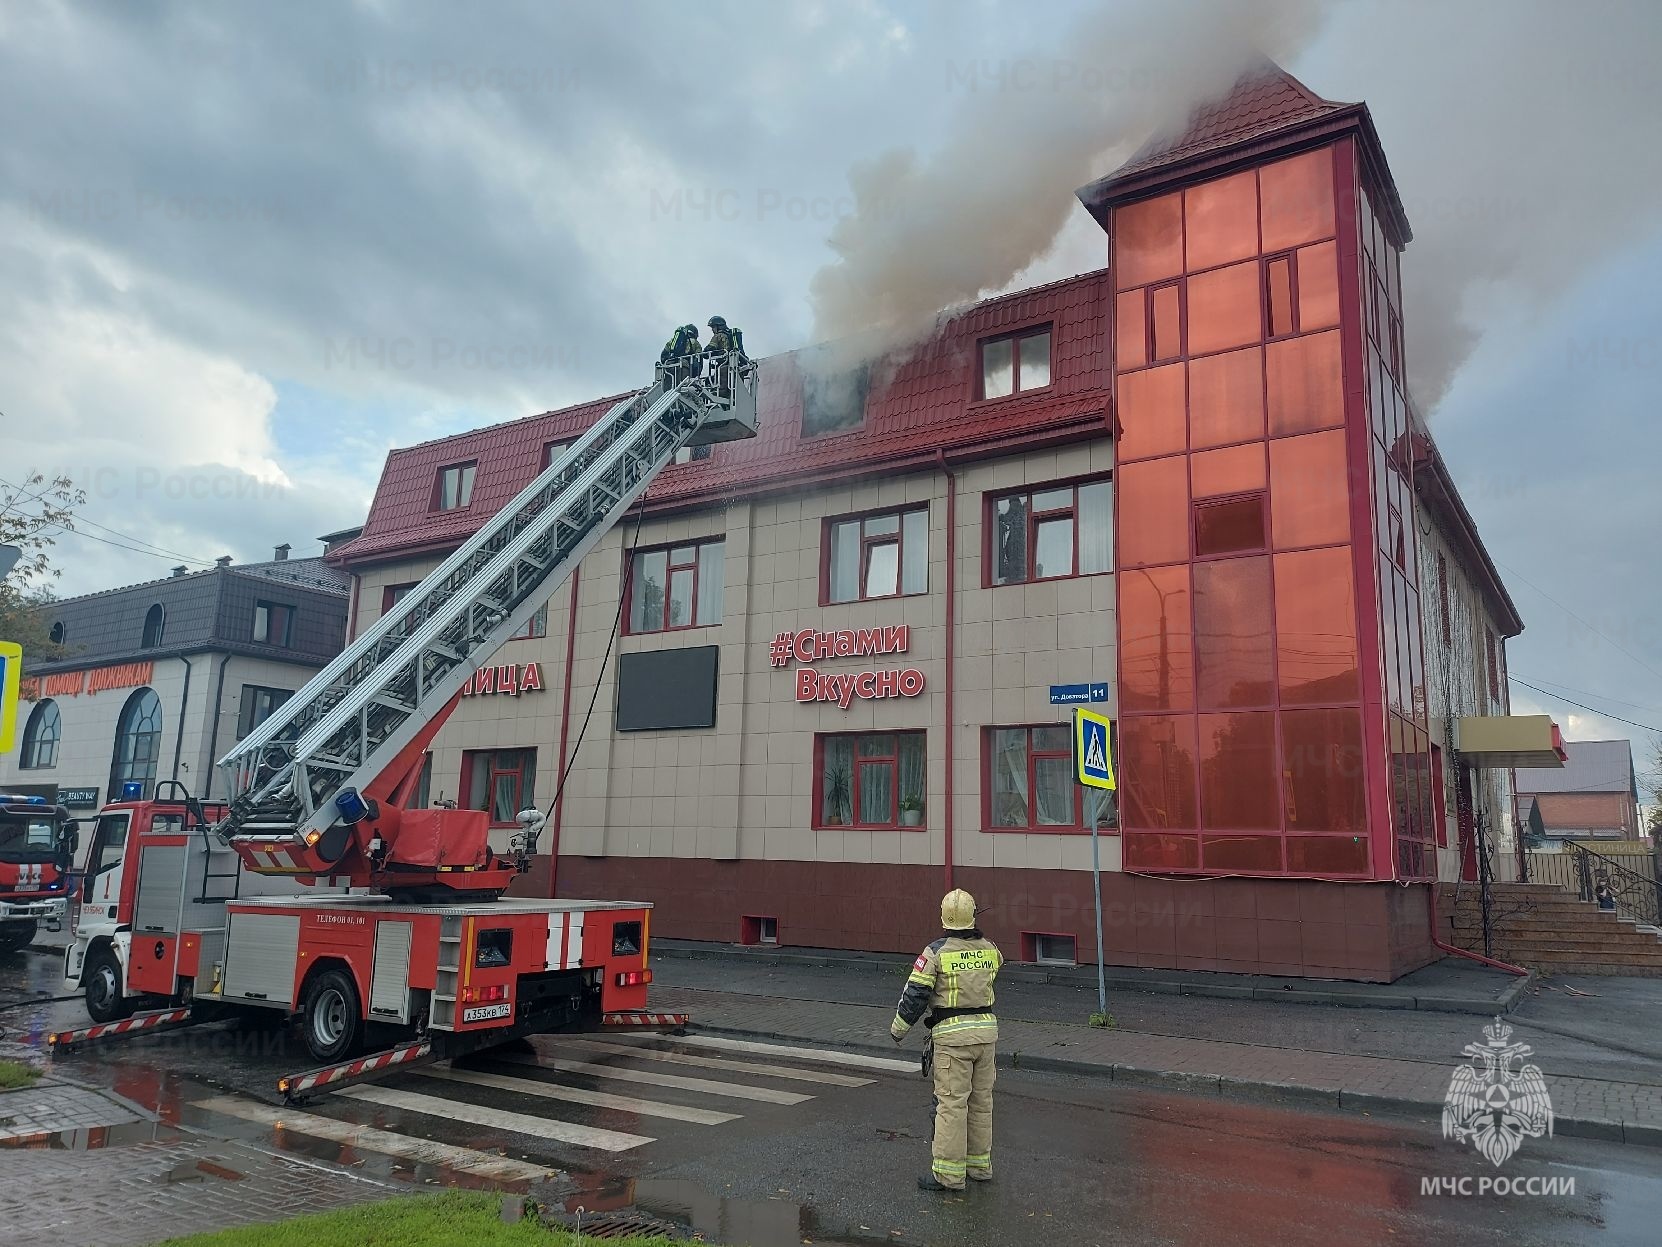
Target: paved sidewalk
1615	1109
171	1184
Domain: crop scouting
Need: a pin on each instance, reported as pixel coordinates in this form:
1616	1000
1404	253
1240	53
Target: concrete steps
1544	927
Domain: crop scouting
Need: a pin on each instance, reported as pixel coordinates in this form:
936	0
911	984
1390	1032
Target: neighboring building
1594	797
1188	482
159	677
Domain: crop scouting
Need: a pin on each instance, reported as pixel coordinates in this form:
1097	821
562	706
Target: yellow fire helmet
957	910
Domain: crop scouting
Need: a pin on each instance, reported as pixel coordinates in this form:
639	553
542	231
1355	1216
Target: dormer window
833	395
273	623
1015	363
155	621
454	488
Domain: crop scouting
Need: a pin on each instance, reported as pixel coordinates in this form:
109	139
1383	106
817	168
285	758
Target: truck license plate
483	1013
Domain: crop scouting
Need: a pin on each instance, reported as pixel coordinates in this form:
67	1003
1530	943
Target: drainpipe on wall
184	705
213	727
951	628
1431	894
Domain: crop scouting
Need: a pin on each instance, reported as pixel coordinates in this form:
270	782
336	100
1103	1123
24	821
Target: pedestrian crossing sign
1093	755
11	671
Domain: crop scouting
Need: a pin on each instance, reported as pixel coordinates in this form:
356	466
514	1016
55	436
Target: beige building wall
1457	684
744	789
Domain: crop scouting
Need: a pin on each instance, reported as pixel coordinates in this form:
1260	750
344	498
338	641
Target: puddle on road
96	1137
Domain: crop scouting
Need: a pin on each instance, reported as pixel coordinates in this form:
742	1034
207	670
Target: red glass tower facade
1271	673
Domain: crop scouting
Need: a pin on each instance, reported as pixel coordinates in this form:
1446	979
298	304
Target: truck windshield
26	839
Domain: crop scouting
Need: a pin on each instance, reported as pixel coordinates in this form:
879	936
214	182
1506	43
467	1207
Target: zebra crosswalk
563	1098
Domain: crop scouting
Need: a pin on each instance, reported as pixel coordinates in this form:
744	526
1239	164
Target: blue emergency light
17	798
132	790
352	807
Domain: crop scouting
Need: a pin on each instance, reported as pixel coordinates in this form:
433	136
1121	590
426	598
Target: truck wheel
333	1022
101	978
16	936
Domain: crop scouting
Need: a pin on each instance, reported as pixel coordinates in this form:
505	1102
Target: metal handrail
1636	896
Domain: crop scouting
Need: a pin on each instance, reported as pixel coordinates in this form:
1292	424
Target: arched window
57	632
154	621
138	743
40	737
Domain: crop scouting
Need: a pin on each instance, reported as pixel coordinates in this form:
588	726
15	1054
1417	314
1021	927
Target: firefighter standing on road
953	981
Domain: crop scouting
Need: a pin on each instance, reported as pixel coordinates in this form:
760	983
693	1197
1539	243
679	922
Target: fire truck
37	844
315	891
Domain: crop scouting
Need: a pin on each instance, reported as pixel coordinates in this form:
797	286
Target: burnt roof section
1267	113
920	399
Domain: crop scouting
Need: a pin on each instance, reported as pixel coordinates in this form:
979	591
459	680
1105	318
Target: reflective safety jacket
681	343
953	981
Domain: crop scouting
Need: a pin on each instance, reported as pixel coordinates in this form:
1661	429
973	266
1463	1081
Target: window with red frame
1029	782
552	451
1048	534
876	556
674	587
536	626
1016	363
453	489
392	595
499	781
869	780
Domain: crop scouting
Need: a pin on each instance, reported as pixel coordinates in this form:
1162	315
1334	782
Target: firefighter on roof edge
953	981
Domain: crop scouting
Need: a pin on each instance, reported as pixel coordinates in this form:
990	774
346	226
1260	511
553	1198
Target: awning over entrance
1496	742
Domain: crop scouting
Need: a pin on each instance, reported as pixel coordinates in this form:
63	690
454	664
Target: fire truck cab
37	844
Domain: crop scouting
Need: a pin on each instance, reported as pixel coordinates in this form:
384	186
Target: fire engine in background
315	891
37	844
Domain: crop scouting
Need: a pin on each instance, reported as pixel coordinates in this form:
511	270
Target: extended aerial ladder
318	788
421	947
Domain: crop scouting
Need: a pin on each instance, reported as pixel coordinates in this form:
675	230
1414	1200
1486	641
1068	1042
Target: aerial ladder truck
315	891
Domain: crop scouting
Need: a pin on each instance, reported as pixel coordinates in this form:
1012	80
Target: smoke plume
1518	136
930	232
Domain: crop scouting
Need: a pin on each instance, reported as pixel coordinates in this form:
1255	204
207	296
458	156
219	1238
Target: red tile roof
919	401
1265	100
1266	108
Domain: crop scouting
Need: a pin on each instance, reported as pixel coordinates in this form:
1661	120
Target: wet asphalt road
1077	1161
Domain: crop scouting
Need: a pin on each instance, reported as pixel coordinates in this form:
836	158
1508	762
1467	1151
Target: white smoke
930	232
1520	134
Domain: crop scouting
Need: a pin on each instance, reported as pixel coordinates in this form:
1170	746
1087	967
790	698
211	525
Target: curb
1229	1087
1328	993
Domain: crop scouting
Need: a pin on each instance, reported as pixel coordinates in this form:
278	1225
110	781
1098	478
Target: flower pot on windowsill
911	818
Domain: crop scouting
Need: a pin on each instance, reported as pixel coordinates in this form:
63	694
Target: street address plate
484	1013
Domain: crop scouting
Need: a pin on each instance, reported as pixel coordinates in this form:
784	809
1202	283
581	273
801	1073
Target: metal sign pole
1096	883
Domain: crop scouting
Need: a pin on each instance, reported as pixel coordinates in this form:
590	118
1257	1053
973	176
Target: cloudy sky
244	251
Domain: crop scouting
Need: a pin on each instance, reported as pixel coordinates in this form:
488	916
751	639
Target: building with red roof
828	673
